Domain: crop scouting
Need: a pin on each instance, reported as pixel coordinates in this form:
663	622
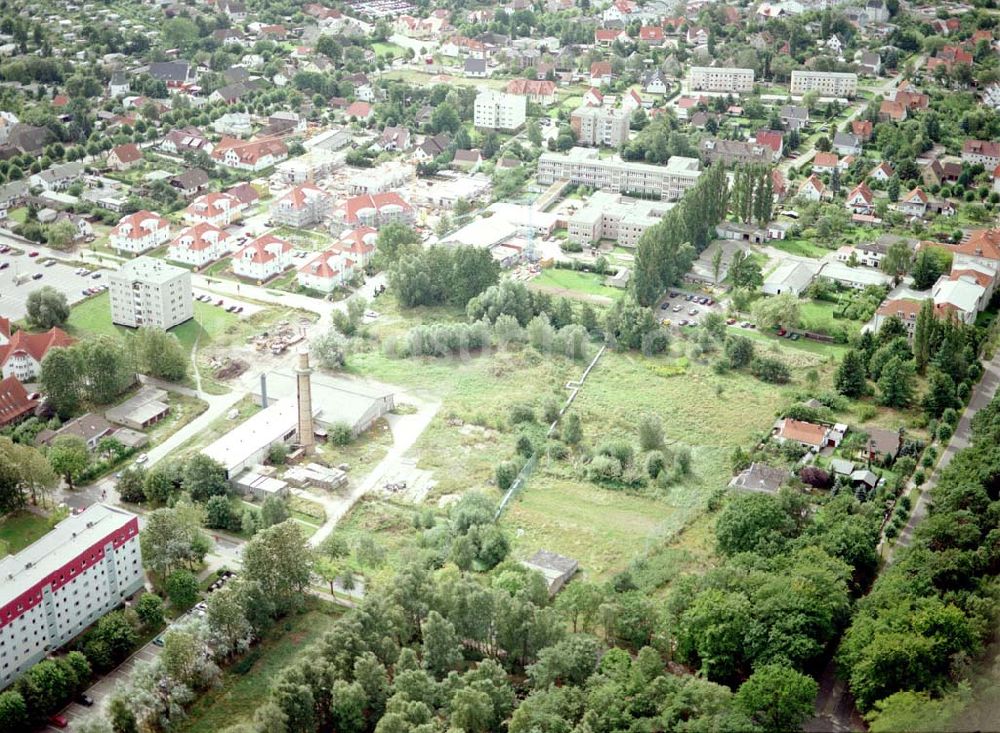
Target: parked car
37	276
96	276
33	253
158	641
682	322
219	302
143	457
58	721
693	312
85	700
4	265
664	306
49	262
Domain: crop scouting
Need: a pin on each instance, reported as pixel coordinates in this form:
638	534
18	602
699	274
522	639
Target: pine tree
850	376
895	384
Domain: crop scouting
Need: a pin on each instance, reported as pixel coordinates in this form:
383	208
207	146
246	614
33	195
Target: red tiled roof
377	202
825	160
986	148
36	345
981	243
300	196
359	109
770	138
249	151
260	251
200	236
530	87
14	402
135	223
650	33
803	432
128	153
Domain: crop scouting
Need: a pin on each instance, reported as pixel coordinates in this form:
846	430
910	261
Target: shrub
620	450
919	478
815	477
944	432
950	417
506	472
524	446
770	370
341	433
558	451
604	468
656	463
521	413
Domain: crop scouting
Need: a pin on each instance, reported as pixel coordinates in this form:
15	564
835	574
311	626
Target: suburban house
174	74
601	73
807	434
139	232
813	189
123	157
825	162
219	209
190	182
760	477
394	138
985	152
882	172
303	206
360	111
326	271
914	203
253	155
358	244
847	143
883	445
861	200
263	258
21	352
200	244
185	140
793	117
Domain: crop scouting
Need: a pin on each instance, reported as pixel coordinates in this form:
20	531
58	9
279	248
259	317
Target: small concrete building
556	569
146	407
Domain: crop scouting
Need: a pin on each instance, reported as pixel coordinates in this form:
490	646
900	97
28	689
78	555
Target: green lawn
800	247
818	316
18	215
381	48
571	282
237	696
20	529
92	317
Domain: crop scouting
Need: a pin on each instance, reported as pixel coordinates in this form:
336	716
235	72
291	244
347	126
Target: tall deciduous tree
69	457
279	560
46	307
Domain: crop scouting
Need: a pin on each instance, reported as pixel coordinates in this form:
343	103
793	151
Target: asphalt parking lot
676	306
14	296
101	690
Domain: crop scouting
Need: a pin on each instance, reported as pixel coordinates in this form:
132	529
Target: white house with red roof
139	232
652	34
263	258
361	111
21	353
607	36
539	91
882	172
15	404
123	157
825	162
376	210
593	97
358	244
219	209
914	203
772	139
812	189
861	200
303	206
200	244
326	272
249	155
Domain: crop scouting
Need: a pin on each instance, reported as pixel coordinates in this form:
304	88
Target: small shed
841	467
556	568
867	478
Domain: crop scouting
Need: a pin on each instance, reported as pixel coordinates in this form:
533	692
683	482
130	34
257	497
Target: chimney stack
307	434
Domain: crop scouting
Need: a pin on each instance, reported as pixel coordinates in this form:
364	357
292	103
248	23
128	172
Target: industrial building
147	291
52	590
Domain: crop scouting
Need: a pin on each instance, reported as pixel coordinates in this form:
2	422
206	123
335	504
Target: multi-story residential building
86	566
263	258
21	353
326	271
827	83
312	166
610	216
720	79
218	209
584	166
600	126
985	152
200	244
376	210
252	155
495	110
139	232
147	291
303	206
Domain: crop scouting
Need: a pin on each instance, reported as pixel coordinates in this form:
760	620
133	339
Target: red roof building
21	353
377	210
14	402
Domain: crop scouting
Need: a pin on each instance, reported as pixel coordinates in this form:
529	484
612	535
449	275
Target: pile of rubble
225	367
280	339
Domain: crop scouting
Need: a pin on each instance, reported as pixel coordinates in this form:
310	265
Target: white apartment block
56	587
720	79
827	83
495	110
583	166
610	216
600	126
147	291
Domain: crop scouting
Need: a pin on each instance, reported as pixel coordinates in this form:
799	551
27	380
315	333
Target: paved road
835	710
